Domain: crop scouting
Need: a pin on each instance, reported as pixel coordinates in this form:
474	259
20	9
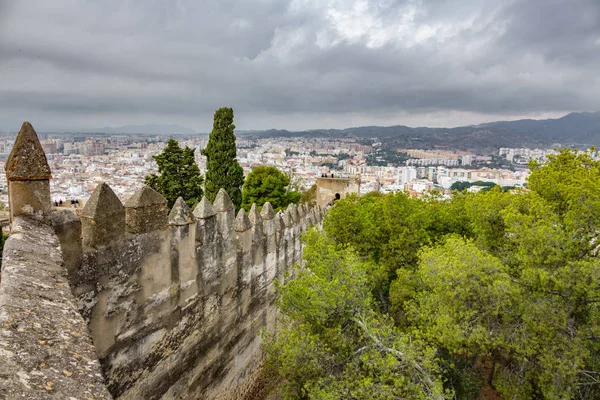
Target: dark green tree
267	183
223	169
178	175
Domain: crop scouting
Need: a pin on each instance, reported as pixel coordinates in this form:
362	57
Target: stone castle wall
46	351
175	311
174	301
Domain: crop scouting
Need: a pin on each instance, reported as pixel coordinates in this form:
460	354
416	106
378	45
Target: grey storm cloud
295	64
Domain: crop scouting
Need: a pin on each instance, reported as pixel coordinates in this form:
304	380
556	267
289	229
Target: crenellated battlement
175	299
208	278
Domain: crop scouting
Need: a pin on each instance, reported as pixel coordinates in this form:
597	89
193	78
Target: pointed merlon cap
293	211
27	160
287	218
223	202
180	213
204	209
301	211
279	224
146	196
267	211
242	222
254	216
103	201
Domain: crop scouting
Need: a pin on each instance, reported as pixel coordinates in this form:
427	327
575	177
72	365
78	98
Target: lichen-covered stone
267	211
254	215
293	212
31	198
287	218
225	214
257	222
45	348
102	218
222	201
279	223
242	222
67	227
174	313
180	214
204	209
146	211
27	160
28	174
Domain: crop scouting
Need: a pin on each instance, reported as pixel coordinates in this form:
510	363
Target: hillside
575	129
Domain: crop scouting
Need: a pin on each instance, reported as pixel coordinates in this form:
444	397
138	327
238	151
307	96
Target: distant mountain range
575	129
147	129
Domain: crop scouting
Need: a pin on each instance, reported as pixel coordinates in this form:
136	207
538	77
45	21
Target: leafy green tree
495	288
267	183
333	345
178	175
462	185
223	169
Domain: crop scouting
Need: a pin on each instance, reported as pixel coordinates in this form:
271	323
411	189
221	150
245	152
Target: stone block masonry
173	302
45	349
175	312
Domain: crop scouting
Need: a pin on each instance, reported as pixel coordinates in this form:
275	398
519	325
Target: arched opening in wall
337	197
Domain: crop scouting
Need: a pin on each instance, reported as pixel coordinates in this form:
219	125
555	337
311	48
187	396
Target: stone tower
330	188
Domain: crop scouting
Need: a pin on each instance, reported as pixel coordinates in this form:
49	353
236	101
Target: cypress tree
223	169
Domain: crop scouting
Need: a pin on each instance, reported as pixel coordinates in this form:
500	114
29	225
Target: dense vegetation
267	183
483	295
178	175
463	185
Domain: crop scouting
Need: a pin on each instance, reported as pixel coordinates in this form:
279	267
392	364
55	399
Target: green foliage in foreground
178	175
422	298
267	183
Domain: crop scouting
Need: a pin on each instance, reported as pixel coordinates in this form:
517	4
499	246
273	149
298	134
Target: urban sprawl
80	163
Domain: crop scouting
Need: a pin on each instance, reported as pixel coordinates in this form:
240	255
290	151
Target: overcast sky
295	64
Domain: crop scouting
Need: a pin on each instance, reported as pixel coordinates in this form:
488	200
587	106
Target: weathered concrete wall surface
45	349
175	313
328	187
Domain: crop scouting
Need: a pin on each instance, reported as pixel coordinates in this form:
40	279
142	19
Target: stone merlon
267	211
242	222
204	209
146	211
28	176
223	202
102	218
180	214
27	160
